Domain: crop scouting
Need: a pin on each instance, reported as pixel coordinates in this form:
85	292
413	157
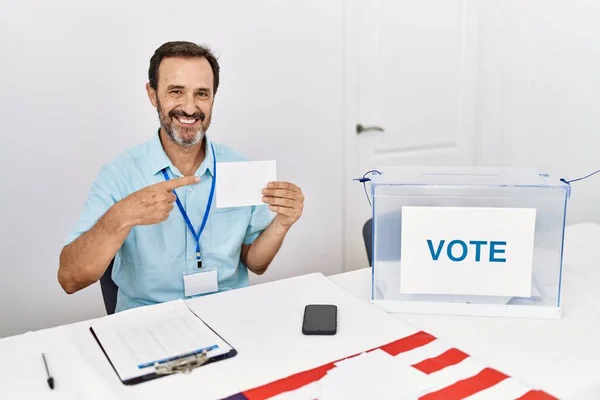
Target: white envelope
241	183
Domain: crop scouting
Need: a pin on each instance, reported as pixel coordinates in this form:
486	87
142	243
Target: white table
561	356
263	323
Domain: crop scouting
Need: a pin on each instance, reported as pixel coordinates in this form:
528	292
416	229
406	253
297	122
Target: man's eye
176	91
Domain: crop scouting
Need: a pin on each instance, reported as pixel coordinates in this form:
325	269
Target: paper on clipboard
135	340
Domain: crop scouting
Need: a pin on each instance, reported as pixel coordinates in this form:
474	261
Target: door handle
360	129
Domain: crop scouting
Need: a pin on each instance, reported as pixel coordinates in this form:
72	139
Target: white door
411	85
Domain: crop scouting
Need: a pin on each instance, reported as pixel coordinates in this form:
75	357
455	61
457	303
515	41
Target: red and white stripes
455	375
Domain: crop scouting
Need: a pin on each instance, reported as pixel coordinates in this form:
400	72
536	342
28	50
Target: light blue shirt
150	266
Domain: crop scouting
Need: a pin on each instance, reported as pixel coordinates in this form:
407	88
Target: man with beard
160	255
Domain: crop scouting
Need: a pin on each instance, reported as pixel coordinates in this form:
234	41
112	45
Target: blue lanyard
210	198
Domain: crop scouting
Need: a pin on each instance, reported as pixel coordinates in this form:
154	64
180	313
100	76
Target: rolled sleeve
102	196
260	219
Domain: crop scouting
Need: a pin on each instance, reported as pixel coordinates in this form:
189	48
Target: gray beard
180	141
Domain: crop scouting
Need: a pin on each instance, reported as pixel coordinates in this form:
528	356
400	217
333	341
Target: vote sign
467	250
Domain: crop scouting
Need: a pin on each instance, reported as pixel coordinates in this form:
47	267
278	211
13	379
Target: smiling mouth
186	121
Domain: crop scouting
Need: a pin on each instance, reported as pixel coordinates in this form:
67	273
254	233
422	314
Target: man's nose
188	106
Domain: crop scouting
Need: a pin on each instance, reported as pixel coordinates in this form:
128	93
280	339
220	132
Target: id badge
200	283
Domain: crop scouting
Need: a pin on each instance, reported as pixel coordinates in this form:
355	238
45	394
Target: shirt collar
207	165
159	159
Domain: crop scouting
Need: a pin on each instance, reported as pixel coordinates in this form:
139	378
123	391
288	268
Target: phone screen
320	319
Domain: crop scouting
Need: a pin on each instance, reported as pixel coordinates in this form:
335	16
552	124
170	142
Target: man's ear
151	95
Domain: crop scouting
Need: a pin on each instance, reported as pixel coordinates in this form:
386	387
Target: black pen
50	378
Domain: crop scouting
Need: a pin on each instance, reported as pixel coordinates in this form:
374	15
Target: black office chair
109	289
388	243
368	238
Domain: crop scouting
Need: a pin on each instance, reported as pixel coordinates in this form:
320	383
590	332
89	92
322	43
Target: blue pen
164	360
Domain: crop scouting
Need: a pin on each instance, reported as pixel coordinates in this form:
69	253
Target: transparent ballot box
468	240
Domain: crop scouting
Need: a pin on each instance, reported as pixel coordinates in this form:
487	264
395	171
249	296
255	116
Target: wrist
279	228
117	219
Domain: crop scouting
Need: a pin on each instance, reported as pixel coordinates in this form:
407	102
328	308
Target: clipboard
181	363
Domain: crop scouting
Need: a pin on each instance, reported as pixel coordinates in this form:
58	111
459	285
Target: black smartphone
320	319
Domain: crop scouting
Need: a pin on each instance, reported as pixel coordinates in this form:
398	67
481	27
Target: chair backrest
368	238
109	289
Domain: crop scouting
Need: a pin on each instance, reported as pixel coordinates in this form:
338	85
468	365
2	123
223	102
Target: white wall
539	92
72	96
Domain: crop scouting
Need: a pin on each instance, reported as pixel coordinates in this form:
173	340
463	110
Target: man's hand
285	199
153	204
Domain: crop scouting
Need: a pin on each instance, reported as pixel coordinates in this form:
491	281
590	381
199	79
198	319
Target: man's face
184	99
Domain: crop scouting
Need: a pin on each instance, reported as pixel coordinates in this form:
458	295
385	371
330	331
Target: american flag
457	375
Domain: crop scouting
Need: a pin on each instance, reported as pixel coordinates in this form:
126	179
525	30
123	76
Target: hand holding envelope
286	199
255	183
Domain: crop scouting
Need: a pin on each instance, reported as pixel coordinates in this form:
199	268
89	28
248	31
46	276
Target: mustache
197	115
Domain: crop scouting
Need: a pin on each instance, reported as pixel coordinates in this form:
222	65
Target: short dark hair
184	50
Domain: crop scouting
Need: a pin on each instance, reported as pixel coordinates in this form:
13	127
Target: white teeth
187	121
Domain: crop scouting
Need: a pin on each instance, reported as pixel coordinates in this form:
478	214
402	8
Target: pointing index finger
179	182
